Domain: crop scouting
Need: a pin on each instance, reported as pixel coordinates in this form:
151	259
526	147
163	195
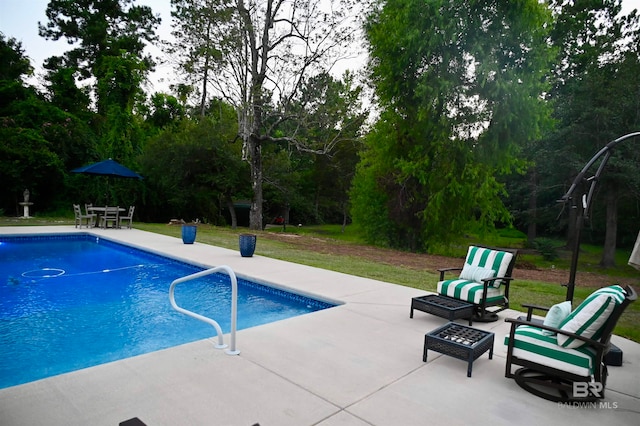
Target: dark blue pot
189	233
247	244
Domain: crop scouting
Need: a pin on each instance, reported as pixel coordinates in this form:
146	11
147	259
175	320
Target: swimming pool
73	301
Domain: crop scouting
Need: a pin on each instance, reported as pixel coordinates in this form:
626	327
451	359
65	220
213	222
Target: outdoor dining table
99	211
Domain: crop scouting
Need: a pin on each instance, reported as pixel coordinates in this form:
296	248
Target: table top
461	334
103	209
444	301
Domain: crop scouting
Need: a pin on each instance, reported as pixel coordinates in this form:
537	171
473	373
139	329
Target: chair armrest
530	309
489	281
444	270
516	322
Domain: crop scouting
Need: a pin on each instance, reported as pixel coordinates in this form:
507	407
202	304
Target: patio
356	364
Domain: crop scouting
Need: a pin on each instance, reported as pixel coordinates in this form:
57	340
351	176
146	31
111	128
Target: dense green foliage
39	140
194	169
486	111
594	94
460	85
110	38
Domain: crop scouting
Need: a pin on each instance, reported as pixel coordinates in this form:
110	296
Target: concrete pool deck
358	364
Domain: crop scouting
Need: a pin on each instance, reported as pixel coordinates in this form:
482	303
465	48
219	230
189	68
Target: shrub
546	248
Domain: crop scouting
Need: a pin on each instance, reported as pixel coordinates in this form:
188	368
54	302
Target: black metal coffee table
443	306
459	341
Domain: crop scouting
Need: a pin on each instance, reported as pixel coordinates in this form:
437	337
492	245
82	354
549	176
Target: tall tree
109	38
460	85
39	141
14	65
595	97
198	30
332	112
193	168
267	49
62	87
315	184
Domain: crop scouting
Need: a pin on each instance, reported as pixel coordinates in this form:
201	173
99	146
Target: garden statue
25	204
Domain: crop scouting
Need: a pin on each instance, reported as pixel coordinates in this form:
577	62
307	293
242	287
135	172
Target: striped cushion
590	317
490	259
532	344
469	291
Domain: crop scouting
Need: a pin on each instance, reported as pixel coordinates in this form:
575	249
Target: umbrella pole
576	252
108	191
585	201
614	357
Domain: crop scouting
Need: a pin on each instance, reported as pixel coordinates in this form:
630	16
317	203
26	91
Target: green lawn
536	292
531	292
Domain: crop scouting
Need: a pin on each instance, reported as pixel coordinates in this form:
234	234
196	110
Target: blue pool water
73	301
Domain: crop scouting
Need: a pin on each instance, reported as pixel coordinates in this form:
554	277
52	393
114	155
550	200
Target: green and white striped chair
562	359
483	281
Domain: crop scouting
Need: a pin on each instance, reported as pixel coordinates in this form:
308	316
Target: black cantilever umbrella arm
582	203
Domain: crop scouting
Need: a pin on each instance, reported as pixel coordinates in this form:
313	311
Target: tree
119	93
39	140
63	90
110	37
13	63
193	169
267	50
166	110
595	99
198	32
460	86
328	110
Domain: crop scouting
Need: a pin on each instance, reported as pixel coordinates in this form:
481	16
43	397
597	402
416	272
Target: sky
19	19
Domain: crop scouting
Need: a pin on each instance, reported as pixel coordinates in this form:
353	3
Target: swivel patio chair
562	358
483	282
127	218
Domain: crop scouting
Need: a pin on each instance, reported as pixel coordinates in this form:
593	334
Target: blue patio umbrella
107	168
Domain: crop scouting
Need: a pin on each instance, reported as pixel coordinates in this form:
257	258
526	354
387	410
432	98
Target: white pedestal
25	211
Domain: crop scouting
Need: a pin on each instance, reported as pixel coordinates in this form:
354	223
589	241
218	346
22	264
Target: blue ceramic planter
189	233
247	244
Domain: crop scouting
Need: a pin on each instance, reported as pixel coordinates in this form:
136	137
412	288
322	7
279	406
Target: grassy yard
523	291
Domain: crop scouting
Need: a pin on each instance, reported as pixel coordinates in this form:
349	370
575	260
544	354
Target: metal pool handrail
234	305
